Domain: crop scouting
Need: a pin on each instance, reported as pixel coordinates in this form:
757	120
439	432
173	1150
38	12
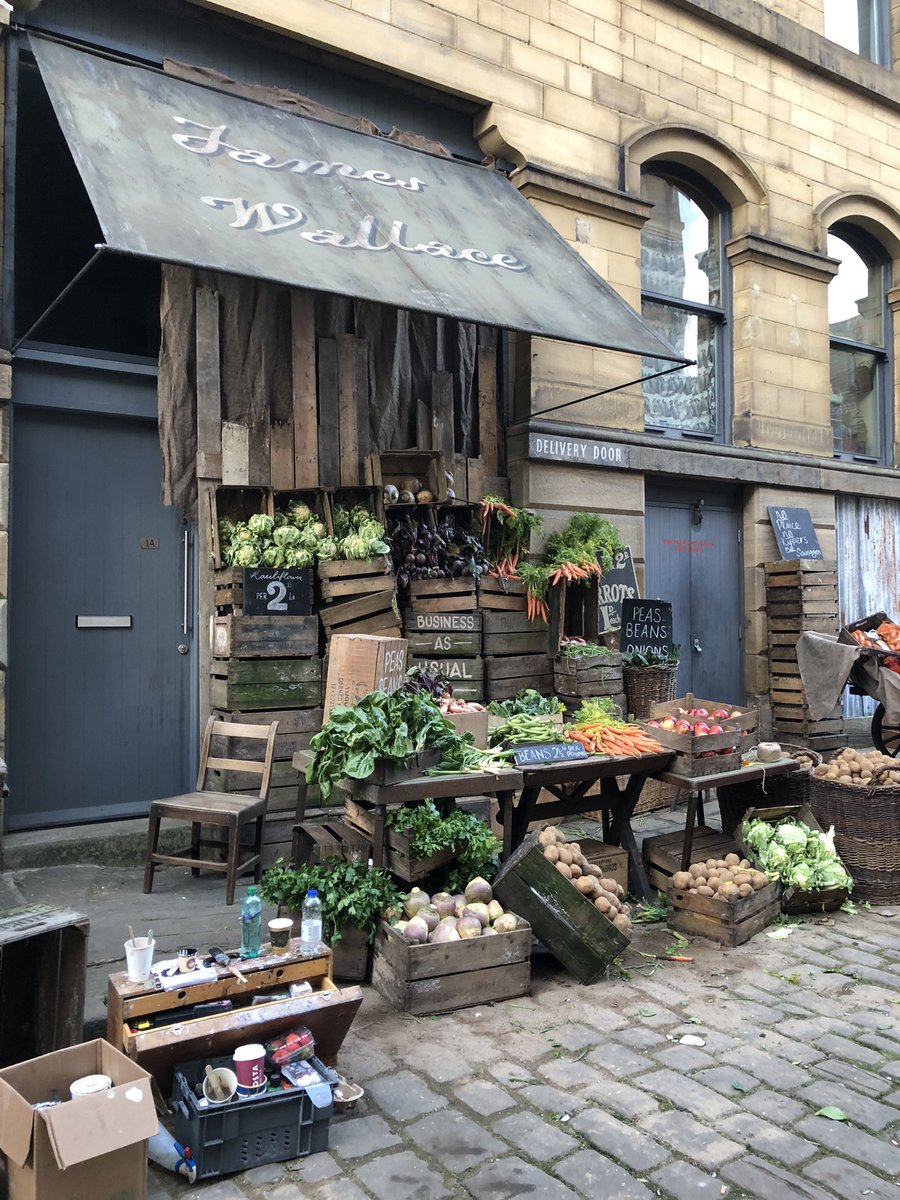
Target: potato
564	869
622	923
692	891
547	837
612	898
681	880
714	882
726	876
758	880
574	848
705	891
602	904
732	860
712	864
620	891
741	877
745	865
608	885
745	889
586	885
593	869
575	871
729	892
565	855
561	838
697	868
551	853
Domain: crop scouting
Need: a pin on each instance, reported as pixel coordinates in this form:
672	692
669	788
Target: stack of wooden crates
516	650
801	595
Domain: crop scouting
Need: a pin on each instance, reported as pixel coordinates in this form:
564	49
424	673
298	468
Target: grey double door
100	663
694	558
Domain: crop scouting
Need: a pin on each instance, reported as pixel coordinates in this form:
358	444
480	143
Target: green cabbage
800	857
261	525
299	512
273	556
327	549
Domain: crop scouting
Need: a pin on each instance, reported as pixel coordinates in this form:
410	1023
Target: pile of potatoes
606	895
857	767
730	878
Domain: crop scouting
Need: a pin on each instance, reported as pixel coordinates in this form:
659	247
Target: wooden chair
229	810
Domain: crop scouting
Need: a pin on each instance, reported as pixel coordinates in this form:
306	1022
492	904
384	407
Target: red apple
701	729
683	726
700	712
655	724
721	714
716	729
667	723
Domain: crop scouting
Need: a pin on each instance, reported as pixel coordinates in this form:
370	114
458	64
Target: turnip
495	910
445	932
478	890
430	915
489	929
451	921
414	901
444	903
416	931
459	903
506	924
478	910
468	926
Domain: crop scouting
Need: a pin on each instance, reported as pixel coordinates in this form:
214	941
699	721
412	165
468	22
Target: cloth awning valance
185	174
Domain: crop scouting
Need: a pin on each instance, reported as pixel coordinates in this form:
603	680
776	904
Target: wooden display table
698	786
134	1012
570	783
380	797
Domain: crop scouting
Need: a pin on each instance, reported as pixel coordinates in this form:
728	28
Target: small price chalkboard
274	592
794	533
548	752
619	583
646	627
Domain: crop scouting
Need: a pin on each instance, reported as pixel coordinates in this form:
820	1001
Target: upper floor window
857	323
862	26
683	298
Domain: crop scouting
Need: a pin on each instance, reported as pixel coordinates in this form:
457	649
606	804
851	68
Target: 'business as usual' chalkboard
273	592
794	533
646	627
617	584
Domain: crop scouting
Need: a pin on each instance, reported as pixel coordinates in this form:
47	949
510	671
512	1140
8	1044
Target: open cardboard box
93	1148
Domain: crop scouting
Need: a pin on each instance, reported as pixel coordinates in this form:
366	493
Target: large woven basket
780	789
866	834
646	686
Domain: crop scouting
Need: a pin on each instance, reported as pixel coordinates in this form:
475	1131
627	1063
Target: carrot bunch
537	608
615	738
575	572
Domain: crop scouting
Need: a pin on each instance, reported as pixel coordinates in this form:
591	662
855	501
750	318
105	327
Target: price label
273	592
548	752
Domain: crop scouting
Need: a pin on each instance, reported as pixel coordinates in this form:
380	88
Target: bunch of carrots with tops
616	738
574	572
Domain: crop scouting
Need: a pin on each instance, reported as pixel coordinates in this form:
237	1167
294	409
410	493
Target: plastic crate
252	1130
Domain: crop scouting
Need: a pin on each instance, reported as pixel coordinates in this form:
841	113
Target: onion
430	915
495	910
411	485
445	933
444	903
479	890
477	910
468	926
414	901
416	931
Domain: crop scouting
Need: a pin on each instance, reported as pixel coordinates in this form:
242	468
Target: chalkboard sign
548	752
794	533
617	584
646	627
274	592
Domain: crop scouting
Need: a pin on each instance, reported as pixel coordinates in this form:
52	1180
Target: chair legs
257	847
195	846
234	847
152	845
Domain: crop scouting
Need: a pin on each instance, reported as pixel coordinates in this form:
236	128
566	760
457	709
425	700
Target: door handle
185	589
695	642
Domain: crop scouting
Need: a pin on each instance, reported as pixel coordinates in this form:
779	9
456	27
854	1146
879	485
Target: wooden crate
501	595
342	581
398	855
574	611
236	503
689	763
265	637
265	683
395	466
793	900
567	923
443	595
451	975
438	634
599	676
662	853
314	842
374	614
506	676
508	633
467	673
723	922
347	497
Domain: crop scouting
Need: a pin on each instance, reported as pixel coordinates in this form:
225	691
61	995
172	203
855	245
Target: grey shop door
99	718
697	564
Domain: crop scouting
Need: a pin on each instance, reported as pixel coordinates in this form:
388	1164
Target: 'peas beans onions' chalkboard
646	627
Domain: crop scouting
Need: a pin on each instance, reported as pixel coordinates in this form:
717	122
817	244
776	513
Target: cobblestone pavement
591	1092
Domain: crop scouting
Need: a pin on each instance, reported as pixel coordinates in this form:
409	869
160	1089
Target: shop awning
184	174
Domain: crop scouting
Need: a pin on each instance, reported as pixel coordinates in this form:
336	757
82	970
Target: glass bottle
251	923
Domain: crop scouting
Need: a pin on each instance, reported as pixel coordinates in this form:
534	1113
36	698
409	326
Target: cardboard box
359	663
94	1148
475	723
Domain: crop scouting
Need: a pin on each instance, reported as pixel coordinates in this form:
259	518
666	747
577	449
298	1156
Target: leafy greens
800	857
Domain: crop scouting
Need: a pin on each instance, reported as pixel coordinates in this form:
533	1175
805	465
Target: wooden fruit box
398	854
438	634
688	762
575	611
451	975
374	614
238	504
314	842
265	637
341	581
793	900
397	466
506	676
263	683
721	921
295	728
443	595
662	853
567	923
509	633
598	676
347	497
805	622
746	721
501	595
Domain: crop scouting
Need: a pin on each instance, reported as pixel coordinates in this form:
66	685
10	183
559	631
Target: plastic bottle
311	923
251	924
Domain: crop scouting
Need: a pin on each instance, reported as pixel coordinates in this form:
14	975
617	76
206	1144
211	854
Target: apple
700	712
720	714
667	723
655	724
716	729
701	729
683	726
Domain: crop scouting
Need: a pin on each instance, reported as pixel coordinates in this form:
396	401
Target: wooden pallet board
799	566
345	580
265	637
314	842
814	622
266	683
454	670
600	676
501	595
443	595
505	676
434	979
375	614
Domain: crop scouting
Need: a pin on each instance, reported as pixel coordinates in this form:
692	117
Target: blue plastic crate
251	1130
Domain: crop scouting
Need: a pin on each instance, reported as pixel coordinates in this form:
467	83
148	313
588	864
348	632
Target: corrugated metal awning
185	174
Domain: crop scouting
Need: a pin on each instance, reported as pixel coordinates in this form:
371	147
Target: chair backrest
260	765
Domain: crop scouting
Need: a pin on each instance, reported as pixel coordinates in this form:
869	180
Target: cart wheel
885	736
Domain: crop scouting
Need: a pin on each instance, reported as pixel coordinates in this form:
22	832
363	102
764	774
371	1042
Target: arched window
857	321
683	296
862	26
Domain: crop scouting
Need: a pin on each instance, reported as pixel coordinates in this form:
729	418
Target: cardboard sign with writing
548	752
617	584
275	591
646	627
794	533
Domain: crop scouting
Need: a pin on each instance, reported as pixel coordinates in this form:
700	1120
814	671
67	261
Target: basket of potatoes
725	899
731	878
606	895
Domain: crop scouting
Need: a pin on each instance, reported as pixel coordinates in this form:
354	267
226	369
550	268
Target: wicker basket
646	686
781	789
867	834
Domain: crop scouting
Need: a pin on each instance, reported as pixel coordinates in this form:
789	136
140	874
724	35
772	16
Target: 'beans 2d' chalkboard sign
277	592
646	627
794	533
548	752
617	584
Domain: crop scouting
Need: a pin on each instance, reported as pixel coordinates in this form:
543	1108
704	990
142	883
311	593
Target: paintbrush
219	956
